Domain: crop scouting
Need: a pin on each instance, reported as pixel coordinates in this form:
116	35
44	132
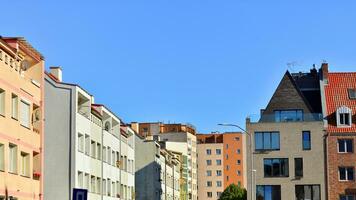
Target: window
306	140
238	151
218	151
218	194
109	156
307	192
218	162
25	164
92	147
98	151
345	145
208	152
87	145
104	154
218	184
25	114
227	146
210	194
298	167
14	106
227	178
2	102
267	141
352	93
113	158
227	167
209	184
268	192
98	185
218	173
343	116
80	179
276	167
104	187
80	142
288	115
109	187
13	158
238	162
208	173
208	162
238	172
347	197
92	184
86	181
2	157
227	156
346	173
237	138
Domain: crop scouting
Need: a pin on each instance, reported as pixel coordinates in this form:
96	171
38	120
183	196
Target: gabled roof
336	95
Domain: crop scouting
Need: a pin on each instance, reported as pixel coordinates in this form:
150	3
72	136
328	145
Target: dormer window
352	93
343	116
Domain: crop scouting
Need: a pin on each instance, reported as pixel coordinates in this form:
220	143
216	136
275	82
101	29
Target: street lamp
250	147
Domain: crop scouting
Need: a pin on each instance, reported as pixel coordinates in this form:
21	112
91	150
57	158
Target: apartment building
288	159
21	120
86	146
339	103
220	163
179	138
158	173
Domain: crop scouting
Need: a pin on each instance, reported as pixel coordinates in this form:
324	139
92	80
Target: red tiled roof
336	94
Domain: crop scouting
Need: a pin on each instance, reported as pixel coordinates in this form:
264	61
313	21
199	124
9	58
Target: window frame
345	145
311	190
280	167
346	174
263	137
301	171
303	141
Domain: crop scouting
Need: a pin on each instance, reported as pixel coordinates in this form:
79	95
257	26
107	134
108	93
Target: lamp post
250	147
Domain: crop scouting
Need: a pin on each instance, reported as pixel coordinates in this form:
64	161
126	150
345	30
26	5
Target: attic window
352	93
343	116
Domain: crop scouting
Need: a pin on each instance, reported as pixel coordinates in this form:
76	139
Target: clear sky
202	62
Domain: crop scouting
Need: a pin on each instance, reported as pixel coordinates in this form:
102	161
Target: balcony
273	118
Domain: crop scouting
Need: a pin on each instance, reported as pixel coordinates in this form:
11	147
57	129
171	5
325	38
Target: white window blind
25	114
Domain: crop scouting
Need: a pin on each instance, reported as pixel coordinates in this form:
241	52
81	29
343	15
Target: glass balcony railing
270	118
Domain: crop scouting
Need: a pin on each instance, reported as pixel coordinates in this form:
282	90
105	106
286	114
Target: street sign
80	194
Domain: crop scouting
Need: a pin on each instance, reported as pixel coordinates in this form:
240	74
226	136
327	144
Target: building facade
21	120
288	157
339	105
220	163
86	145
179	138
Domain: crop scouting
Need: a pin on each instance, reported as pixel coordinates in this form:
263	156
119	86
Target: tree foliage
234	192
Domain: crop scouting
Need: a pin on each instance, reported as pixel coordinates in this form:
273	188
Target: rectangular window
306	140
13	158
109	187
298	167
218	151
218	183
208	162
288	115
276	167
208	173
25	164
238	162
268	192
14	106
218	162
307	192
80	142
87	144
344	119
346	173
80	179
98	151
345	145
209	184
25	114
347	197
104	154
352	93
92	147
109	156
104	187
238	151
2	157
92	184
210	194
2	102
98	185
113	158
86	181
267	141
208	152
218	173
238	172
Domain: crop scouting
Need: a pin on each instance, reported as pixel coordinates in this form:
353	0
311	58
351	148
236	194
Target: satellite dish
25	65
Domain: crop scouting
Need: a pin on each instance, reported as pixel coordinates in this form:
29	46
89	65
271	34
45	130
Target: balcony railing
272	118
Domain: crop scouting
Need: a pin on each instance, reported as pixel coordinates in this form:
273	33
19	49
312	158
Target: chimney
135	126
313	71
56	72
324	71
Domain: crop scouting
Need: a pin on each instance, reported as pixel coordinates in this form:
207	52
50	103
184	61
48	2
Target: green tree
234	192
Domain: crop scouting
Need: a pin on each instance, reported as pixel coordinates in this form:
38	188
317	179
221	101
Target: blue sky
202	62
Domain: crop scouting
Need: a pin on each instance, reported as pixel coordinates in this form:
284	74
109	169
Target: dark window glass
352	93
306	140
267	141
298	167
288	115
345	119
345	145
346	173
268	192
307	192
277	167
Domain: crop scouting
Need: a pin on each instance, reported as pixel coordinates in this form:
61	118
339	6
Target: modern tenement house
157	173
288	159
21	120
180	138
220	163
339	104
86	146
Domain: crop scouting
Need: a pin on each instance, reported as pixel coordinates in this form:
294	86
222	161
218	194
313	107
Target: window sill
25	176
346	181
14	118
2	115
345	153
13	173
25	127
